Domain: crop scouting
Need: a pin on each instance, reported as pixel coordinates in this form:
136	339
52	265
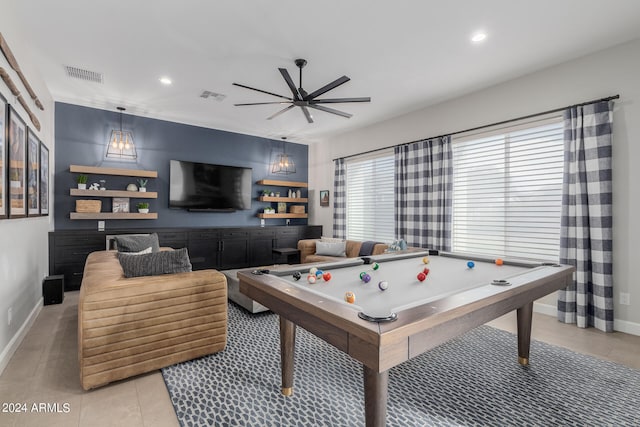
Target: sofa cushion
137	243
153	264
331	248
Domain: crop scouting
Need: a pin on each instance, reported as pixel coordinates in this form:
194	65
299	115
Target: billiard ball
470	264
362	275
319	273
366	278
421	276
499	261
375	266
425	271
350	297
425	260
311	279
297	276
313	270
326	276
383	285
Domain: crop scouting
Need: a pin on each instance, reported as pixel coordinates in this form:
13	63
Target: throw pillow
331	239
145	251
137	243
331	248
155	263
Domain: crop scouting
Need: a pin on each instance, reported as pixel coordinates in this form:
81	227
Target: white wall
609	72
23	242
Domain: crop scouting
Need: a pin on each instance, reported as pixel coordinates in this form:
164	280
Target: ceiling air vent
86	75
208	94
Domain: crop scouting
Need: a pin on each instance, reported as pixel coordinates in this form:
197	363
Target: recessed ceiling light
478	37
165	81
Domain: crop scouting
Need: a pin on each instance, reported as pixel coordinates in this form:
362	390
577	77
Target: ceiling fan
306	100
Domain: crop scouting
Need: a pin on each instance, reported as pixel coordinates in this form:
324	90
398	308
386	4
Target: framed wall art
33	174
4	200
324	197
44	180
17	152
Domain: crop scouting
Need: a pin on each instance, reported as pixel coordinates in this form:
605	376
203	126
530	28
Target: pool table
383	328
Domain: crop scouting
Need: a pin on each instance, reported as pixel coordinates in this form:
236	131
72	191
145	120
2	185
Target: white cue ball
383	285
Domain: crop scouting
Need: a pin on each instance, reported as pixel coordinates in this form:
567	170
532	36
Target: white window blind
370	197
508	191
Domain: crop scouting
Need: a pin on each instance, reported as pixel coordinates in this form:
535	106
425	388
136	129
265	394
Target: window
508	191
370	197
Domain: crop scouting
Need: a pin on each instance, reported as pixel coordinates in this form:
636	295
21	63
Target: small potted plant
143	207
142	187
82	181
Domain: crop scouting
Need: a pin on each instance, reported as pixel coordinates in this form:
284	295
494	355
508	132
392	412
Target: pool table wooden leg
375	397
524	315
287	350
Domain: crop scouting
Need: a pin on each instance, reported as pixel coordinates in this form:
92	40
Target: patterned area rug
473	380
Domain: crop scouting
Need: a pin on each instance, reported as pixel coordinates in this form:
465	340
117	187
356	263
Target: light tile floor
44	369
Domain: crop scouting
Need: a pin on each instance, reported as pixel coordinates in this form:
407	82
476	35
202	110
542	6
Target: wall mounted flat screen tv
207	187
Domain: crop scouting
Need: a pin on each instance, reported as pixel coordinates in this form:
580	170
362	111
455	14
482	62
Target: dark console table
220	248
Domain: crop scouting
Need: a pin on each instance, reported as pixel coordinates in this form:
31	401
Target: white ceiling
404	54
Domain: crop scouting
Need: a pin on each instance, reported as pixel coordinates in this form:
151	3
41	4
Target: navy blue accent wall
81	134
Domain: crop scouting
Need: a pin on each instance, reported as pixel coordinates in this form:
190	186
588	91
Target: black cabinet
68	253
262	242
233	249
203	249
218	248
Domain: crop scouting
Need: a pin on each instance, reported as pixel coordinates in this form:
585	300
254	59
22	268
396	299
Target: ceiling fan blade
339	100
263	91
287	78
331	110
334	84
285	109
307	114
262	103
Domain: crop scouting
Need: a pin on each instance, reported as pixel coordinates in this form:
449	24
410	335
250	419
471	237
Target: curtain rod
556	110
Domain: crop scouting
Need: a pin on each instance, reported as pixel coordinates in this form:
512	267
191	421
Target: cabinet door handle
221	246
77	274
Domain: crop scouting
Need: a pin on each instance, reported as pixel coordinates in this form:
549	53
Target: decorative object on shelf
88	206
103	184
143	207
17	165
120	145
324	197
94	187
82	181
132	187
120	205
290	194
298	194
283	164
296	209
282	207
265	192
142	185
269	210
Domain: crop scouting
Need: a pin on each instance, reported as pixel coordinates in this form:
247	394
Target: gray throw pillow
154	264
331	248
137	243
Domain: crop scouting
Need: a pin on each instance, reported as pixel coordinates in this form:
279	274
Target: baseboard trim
13	345
625	326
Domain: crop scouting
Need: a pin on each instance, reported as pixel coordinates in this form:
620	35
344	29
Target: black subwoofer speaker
53	289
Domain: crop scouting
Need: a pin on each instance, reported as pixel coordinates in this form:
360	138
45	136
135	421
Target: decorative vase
143	211
142	189
82	186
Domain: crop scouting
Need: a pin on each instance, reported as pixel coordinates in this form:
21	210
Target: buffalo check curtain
586	223
339	200
424	187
